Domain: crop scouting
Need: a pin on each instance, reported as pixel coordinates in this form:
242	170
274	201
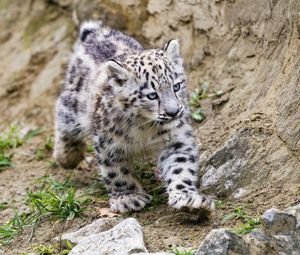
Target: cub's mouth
164	119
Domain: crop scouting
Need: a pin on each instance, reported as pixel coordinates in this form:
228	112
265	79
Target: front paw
190	201
122	203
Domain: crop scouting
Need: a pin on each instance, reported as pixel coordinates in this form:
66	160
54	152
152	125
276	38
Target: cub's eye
176	87
152	96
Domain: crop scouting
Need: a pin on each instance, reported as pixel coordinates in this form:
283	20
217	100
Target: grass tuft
248	223
55	249
53	200
41	153
3	205
11	139
10	230
8	140
178	251
56	200
195	100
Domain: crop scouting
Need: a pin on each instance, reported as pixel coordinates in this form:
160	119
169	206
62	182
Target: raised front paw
190	201
127	203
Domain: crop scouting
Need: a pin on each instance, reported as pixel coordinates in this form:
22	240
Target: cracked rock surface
124	238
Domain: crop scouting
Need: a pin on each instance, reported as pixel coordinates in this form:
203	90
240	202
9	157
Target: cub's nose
172	112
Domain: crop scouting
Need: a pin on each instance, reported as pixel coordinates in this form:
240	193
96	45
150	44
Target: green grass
197	96
178	251
41	153
11	139
52	249
90	148
219	204
53	200
44	249
56	200
49	143
10	230
247	222
3	205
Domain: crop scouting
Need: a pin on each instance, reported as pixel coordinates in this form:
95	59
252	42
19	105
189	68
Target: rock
279	234
95	227
295	210
223	242
231	167
278	222
126	237
262	243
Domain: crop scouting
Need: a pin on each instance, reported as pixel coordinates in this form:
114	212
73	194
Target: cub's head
151	84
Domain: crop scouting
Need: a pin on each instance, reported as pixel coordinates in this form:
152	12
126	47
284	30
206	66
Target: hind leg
69	145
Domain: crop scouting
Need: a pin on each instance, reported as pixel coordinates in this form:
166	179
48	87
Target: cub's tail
89	28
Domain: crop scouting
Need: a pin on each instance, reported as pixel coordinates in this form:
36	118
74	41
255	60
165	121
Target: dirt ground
25	102
163	227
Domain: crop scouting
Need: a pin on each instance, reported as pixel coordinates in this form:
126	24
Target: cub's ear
117	72
172	49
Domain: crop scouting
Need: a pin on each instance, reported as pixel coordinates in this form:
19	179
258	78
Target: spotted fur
129	101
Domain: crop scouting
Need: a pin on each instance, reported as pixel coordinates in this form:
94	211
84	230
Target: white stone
124	238
95	227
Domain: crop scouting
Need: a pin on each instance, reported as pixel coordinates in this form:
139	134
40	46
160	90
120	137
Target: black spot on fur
181	159
180	186
187	181
112	175
133	100
177	145
107	88
163	157
181	123
188	134
177	171
107	162
124	170
191	171
120	183
107	181
136	203
192	159
119	132
85	33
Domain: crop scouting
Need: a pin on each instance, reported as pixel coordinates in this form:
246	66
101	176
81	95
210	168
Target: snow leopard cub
129	101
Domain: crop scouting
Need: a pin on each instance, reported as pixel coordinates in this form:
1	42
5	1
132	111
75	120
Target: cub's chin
168	124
